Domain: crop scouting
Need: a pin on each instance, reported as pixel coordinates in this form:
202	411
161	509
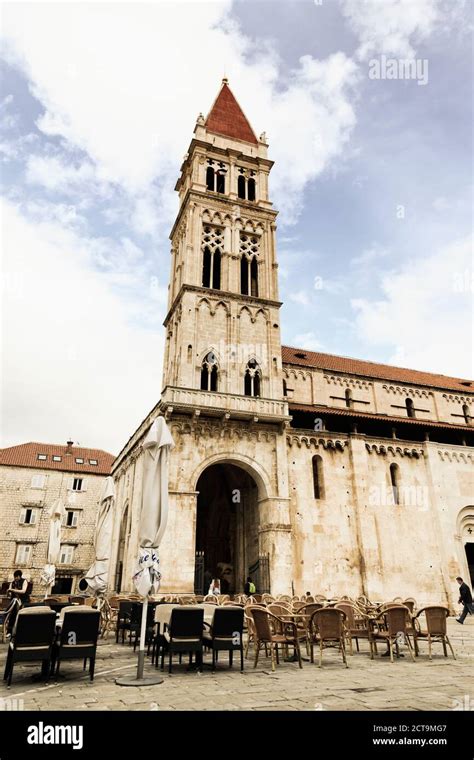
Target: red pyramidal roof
227	118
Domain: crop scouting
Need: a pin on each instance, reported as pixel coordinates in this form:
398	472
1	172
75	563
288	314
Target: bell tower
223	346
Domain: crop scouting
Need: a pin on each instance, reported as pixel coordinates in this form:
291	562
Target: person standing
215	587
249	587
465	598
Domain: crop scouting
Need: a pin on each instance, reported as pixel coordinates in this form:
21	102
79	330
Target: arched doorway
227	539
466	534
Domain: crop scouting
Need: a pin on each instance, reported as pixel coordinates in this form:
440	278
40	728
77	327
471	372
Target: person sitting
18	593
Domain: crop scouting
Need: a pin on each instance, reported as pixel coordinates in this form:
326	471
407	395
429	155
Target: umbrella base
134	681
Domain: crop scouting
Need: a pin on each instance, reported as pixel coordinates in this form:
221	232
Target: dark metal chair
78	638
183	634
123	619
32	640
226	634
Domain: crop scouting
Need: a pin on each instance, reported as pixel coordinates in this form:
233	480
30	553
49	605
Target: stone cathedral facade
308	471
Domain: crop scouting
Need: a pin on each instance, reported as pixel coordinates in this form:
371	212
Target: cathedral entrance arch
227	525
465	529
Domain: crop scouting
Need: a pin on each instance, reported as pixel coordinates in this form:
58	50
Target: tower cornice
224	203
220	294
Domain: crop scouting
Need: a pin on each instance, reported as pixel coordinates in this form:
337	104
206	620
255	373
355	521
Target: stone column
275	539
178	548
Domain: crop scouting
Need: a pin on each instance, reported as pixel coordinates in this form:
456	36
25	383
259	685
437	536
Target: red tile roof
346	365
227	118
330	410
26	455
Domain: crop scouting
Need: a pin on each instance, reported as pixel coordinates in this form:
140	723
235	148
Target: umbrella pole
140	679
141	650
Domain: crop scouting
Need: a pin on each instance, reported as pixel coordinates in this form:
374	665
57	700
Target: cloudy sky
372	179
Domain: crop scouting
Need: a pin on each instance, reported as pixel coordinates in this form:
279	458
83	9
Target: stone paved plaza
442	684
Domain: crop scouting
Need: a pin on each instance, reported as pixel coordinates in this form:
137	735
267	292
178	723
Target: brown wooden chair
411	604
272	632
391	625
327	630
436	629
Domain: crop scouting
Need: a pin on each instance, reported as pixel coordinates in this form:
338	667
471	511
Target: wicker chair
436	629
283	598
356	625
327	629
210	599
271	631
392	623
411	604
278	609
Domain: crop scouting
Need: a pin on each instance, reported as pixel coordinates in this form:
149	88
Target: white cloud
369	257
299	296
425	316
307	340
72	363
392	27
134	120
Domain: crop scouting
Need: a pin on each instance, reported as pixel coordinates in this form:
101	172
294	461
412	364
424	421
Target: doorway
227	541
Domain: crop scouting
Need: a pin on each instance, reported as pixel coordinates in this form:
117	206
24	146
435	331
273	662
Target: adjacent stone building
306	470
32	477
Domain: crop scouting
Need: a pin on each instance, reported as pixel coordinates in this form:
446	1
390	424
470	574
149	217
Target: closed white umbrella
153	518
98	575
48	573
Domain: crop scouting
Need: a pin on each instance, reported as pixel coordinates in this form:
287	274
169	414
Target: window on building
241	182
285	391
251	189
209	373
220	179
210	180
42	457
66	554
38	481
252	379
56	458
348	397
79	460
77	484
93	461
318	479
28	516
23	554
70	518
212	246
467	416
410	407
249	251
395	482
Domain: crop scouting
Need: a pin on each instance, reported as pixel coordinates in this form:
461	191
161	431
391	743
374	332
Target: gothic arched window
220	180
209	373
254	277
210	178
212	243
395	482
285	389
318	478
241	186
410	407
252	379
467	416
244	276
348	397
251	189
206	268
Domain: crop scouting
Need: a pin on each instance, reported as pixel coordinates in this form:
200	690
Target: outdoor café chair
392	625
436	629
356	625
78	638
271	631
183	634
327	630
32	640
123	619
226	634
